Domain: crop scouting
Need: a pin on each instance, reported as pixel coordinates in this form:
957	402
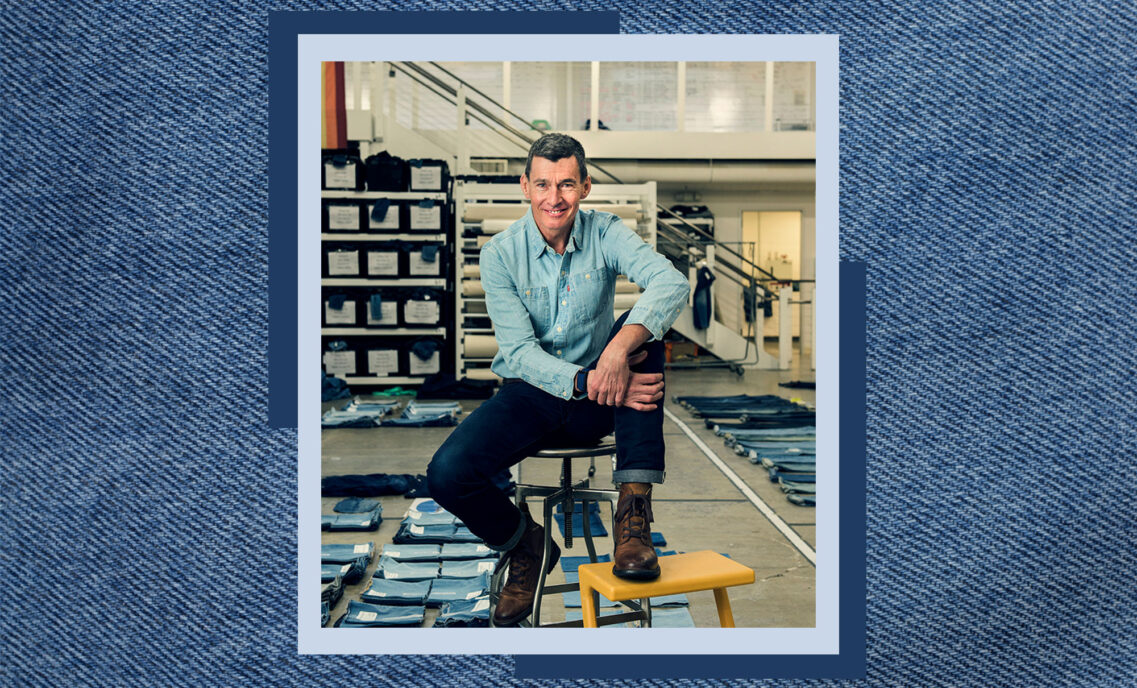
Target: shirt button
564	303
588	277
558	352
558	328
527	292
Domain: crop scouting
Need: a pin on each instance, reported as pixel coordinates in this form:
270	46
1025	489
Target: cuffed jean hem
513	540
638	475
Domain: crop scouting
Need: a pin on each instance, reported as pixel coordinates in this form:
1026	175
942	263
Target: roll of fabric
471	271
472	288
480	346
481	374
490	226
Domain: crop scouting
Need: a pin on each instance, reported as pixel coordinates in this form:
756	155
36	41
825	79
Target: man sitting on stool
571	375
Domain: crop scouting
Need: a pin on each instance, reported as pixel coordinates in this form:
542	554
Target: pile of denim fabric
361	412
428	414
776	433
449	574
426	523
353	513
356	557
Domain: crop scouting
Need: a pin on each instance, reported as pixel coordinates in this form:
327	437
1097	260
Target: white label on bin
426	178
421	367
426	218
388	314
422	313
368	616
344	569
344	316
343	217
485	566
419	266
339	362
339	177
360	549
343	262
390	220
480	605
377	593
383	263
383	361
417	530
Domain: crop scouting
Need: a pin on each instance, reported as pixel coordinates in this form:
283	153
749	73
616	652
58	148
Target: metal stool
567	493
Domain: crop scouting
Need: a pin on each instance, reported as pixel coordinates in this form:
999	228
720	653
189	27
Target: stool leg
587	605
726	617
584	505
535	618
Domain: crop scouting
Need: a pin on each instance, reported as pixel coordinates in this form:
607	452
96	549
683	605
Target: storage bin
428	175
386	172
426	216
422	308
385	215
342	216
342	171
341	260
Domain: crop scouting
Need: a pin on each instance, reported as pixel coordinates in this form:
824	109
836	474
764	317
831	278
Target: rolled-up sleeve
513	330
665	289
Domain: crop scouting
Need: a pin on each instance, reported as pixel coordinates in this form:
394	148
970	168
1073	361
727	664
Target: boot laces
635	517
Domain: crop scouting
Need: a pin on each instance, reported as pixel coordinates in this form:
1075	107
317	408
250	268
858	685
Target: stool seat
679	573
606	449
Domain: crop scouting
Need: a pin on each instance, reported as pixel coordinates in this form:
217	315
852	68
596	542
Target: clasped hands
613	383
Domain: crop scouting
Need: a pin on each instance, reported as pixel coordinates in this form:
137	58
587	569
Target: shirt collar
540	245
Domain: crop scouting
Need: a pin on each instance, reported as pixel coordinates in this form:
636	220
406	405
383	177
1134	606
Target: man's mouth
555	212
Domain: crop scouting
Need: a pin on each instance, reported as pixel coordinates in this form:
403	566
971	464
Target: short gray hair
555	147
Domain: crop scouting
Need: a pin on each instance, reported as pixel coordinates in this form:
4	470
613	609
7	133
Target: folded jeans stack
361	412
363	615
473	613
428	414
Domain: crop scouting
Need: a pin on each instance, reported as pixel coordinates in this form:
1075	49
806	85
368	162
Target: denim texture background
987	179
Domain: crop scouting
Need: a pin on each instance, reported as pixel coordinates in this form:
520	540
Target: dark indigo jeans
520	420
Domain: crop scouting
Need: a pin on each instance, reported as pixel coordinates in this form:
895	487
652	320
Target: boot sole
520	616
636	574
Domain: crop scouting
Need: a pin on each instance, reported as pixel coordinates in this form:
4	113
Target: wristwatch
580	382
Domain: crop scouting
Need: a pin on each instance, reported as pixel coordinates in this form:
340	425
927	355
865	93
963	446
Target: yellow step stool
679	573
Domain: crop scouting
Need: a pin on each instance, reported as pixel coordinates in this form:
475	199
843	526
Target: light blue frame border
313	49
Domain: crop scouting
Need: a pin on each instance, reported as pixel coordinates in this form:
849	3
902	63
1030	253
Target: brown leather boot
516	599
634	557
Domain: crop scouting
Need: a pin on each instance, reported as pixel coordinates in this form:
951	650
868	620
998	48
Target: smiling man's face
555	190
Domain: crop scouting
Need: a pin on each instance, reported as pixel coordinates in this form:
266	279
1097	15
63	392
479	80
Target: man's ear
585	188
525	187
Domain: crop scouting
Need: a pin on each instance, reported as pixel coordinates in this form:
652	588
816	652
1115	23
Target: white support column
769	97
379	113
595	93
785	328
681	104
463	133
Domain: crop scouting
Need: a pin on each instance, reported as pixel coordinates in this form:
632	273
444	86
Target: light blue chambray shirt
552	314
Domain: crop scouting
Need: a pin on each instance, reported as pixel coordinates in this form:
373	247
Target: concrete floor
697	508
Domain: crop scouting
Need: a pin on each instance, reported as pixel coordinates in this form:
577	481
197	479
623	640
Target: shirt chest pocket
536	300
591	295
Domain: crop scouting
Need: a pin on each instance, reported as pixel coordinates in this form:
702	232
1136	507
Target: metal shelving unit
442	283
